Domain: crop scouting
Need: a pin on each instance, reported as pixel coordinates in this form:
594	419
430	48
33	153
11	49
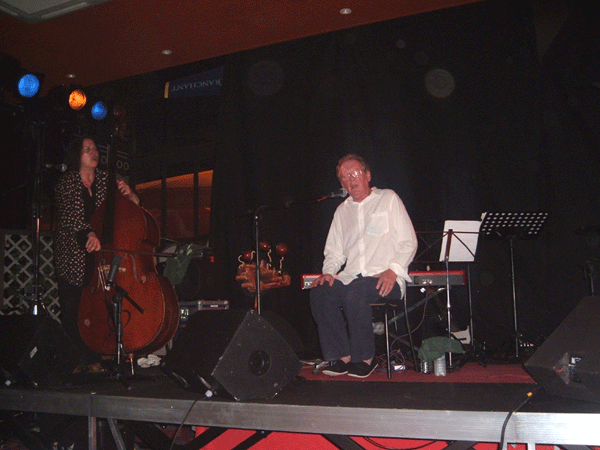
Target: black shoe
336	368
362	369
95	367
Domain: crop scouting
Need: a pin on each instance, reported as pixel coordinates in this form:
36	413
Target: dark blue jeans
343	316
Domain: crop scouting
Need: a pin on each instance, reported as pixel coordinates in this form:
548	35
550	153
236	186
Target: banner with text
199	85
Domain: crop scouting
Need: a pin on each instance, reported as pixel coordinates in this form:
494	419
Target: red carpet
469	373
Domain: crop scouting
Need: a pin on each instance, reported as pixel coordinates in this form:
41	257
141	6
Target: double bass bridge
103	270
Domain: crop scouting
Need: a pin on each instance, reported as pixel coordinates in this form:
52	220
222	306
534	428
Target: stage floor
411	405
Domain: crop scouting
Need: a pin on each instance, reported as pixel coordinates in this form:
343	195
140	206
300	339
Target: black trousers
343	316
69	297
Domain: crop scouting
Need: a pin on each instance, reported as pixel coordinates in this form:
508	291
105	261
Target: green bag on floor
434	347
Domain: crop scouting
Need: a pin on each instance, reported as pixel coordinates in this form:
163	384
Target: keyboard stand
414	349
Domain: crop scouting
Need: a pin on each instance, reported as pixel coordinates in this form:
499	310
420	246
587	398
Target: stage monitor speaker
34	351
567	363
233	351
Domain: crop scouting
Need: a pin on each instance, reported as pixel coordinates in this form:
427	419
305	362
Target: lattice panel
18	272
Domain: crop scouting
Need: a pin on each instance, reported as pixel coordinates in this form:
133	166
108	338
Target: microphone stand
37	304
257	257
117	301
258	299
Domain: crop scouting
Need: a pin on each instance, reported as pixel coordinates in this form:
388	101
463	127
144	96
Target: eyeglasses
352	175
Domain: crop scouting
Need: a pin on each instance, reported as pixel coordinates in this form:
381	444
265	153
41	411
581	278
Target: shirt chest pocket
378	224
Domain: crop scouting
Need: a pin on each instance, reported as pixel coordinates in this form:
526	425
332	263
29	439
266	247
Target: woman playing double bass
79	192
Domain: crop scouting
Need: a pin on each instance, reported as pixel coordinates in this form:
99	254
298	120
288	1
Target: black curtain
484	140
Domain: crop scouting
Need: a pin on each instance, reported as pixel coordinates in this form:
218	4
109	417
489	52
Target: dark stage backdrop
461	111
502	135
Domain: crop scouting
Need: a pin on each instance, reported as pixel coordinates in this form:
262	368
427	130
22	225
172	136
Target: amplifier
213	304
187	309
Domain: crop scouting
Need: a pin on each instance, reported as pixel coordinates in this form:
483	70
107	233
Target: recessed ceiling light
71	75
345	11
167	52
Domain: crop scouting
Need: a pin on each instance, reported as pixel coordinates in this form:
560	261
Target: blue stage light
29	85
99	111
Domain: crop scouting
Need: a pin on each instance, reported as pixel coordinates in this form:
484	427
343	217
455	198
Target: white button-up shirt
370	237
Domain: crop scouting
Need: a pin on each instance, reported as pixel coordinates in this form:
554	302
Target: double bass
151	317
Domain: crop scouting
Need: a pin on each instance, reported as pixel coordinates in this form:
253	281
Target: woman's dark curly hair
73	154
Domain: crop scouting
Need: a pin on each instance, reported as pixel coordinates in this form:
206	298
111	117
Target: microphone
114	268
339	193
59	167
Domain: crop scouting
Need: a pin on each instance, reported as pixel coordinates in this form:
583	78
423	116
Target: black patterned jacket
72	229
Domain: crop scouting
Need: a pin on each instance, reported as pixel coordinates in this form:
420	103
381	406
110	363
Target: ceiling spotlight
345	11
71	76
166	52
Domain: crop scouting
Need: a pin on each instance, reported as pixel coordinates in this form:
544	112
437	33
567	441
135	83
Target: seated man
372	234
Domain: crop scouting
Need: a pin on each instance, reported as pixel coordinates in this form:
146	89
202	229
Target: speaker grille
35	351
232	351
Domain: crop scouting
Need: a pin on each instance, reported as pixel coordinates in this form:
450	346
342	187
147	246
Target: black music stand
459	244
512	226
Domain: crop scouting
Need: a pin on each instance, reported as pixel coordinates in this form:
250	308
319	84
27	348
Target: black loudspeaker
235	351
568	362
34	351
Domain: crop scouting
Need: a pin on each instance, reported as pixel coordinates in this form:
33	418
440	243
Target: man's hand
325	278
386	281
